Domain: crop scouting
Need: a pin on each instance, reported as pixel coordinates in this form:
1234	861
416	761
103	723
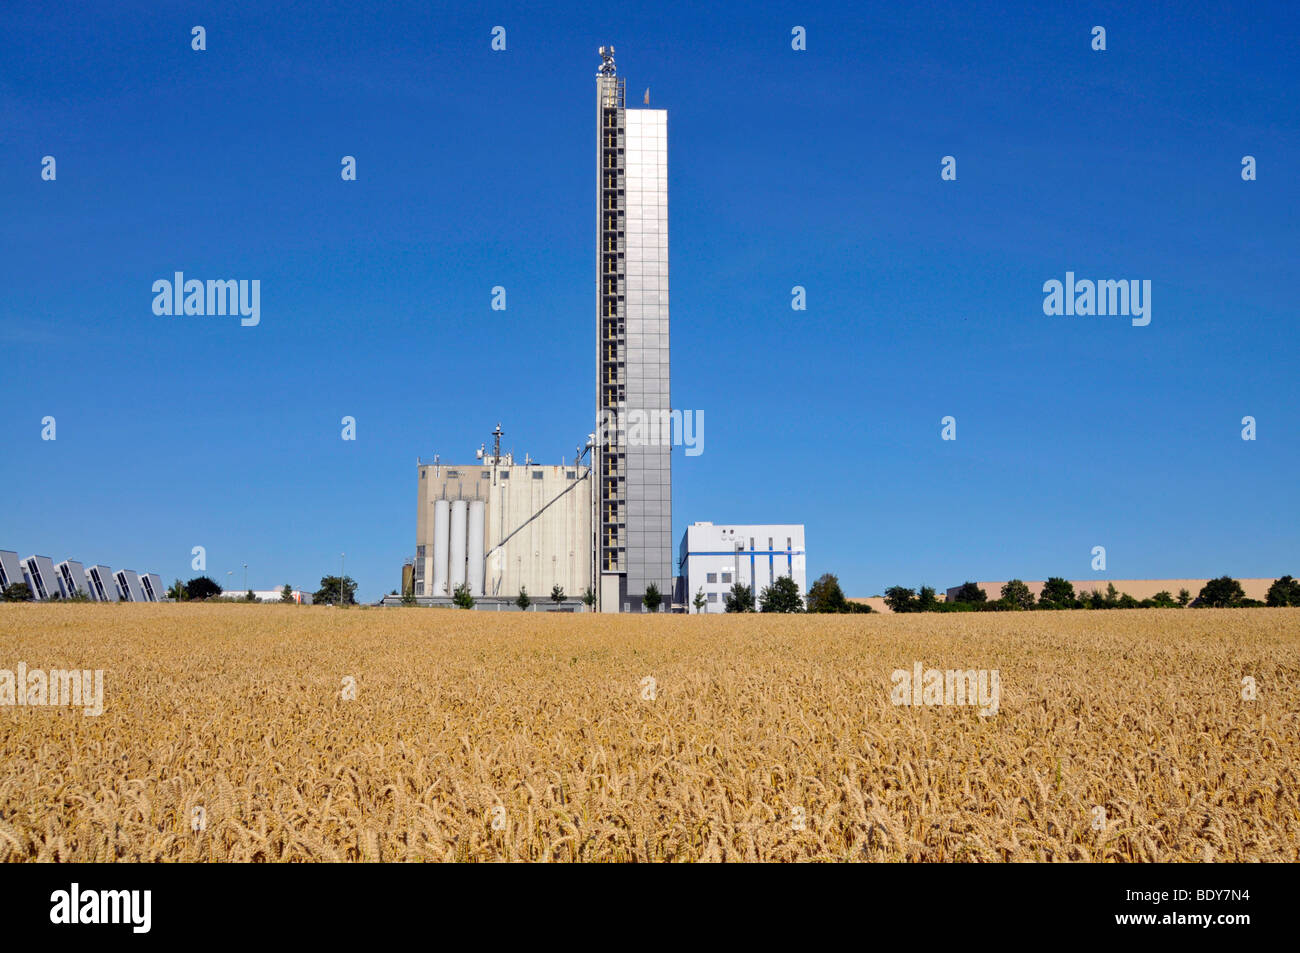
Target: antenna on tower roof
607	61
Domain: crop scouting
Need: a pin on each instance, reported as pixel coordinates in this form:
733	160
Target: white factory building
714	558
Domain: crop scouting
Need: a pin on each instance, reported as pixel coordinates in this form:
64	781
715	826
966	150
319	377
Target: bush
1284	592
1057	593
201	587
462	597
652	599
781	596
970	592
18	592
557	593
739	599
523	601
826	595
1221	593
1017	595
900	599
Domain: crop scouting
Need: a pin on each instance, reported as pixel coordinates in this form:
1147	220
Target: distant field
1119	736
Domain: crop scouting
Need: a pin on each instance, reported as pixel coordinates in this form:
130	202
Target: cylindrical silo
475	547
456	571
441	531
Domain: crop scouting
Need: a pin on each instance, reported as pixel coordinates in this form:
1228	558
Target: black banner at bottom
1220	903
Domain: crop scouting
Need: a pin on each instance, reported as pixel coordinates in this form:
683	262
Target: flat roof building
714	558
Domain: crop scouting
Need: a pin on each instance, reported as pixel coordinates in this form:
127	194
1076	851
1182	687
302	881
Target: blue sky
817	168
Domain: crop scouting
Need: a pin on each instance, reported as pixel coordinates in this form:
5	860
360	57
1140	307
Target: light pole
342	576
245	577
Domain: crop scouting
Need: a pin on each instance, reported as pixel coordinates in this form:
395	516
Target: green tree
557	593
1057	593
18	592
177	592
336	591
739	599
462	597
970	592
408	598
1184	597
589	597
781	596
1163	600
201	587
1017	595
826	595
900	599
1283	592
523	601
927	600
1221	593
652	597
286	594
700	600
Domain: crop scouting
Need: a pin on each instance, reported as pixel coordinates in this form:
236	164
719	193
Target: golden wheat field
1120	736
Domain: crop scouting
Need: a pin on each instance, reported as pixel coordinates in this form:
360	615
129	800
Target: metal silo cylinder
441	535
456	571
475	548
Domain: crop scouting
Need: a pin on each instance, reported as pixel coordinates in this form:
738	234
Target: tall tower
633	525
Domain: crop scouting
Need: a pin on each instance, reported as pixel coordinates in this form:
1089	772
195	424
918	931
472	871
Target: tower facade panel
633	452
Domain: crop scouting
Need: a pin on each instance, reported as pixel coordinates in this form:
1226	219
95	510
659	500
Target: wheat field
230	733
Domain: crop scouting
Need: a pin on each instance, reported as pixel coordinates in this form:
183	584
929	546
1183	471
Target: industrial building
633	545
714	558
48	582
297	596
497	526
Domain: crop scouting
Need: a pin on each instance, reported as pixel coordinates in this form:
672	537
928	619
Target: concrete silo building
497	526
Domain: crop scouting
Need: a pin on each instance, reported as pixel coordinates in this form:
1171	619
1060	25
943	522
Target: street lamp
246	577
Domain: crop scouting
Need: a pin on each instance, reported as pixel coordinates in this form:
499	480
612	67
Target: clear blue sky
817	168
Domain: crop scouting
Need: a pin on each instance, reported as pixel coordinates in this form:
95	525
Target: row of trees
1058	593
781	596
